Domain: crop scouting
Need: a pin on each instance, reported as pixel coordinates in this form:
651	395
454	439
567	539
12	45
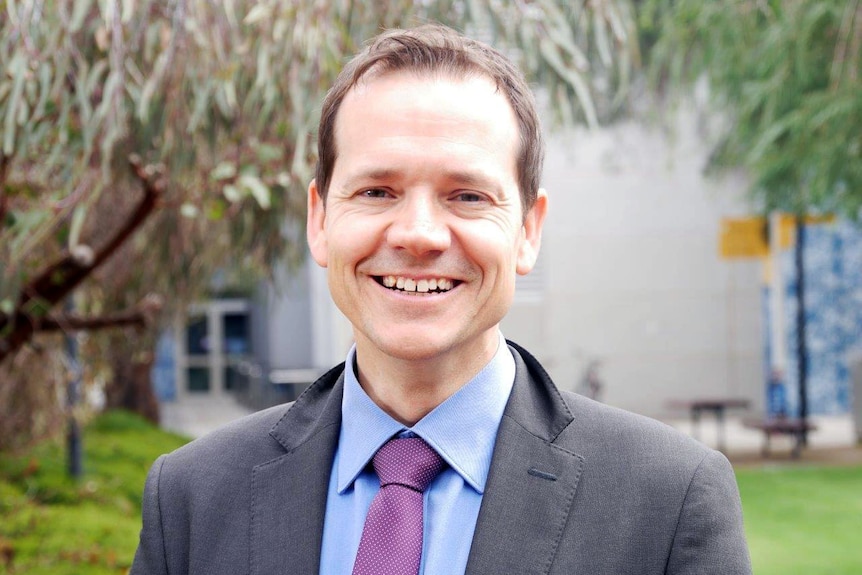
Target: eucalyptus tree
787	76
147	143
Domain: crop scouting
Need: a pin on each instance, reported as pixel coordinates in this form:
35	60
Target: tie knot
407	461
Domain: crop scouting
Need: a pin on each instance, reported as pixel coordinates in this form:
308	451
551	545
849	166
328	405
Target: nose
419	227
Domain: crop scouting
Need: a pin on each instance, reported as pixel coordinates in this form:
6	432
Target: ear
315	229
531	239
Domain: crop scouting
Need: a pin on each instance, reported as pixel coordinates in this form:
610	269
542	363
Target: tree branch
60	278
68	323
74	322
4	170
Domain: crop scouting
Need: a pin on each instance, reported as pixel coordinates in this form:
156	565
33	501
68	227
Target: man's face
422	232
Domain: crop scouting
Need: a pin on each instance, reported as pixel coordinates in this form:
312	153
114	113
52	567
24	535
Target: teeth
417	286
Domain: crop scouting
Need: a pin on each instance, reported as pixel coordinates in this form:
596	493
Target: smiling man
437	447
424	192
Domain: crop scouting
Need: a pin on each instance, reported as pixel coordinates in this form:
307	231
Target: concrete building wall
632	276
300	326
285	317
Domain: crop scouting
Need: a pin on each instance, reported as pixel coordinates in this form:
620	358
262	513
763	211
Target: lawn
799	520
803	520
53	525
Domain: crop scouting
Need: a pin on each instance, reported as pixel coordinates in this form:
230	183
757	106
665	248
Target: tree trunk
131	388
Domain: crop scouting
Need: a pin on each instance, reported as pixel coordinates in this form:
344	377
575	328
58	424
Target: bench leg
767	436
799	441
695	423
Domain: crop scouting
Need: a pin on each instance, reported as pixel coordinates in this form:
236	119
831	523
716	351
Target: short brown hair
429	49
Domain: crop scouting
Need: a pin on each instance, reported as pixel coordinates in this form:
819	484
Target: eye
375	193
469	197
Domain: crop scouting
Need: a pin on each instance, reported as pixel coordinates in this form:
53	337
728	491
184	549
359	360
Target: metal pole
775	390
778	335
801	348
73	396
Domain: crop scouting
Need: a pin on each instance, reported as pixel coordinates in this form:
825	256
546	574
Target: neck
408	389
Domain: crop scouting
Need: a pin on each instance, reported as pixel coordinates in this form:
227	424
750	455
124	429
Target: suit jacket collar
532	482
536	402
289	492
528	497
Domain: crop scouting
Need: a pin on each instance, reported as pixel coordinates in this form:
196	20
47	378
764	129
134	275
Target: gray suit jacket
574	487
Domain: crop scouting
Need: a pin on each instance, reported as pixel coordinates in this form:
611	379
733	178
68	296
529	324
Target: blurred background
701	262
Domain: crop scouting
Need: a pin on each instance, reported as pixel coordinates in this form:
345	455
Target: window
215	353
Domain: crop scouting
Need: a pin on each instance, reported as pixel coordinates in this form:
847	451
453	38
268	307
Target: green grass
803	520
799	520
54	525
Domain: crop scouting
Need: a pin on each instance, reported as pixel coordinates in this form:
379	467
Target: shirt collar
462	429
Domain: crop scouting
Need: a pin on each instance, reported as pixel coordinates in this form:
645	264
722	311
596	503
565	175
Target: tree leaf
232	193
79	215
189	210
602	42
80	10
17	69
571	77
129	9
268	153
223	171
12	10
258	13
257	188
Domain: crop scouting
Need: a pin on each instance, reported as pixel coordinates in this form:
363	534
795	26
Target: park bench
717	406
791	426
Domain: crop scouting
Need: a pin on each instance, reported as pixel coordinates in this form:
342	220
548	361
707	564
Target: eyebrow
460	177
374	174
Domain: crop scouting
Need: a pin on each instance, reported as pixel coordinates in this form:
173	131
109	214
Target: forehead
465	109
417	88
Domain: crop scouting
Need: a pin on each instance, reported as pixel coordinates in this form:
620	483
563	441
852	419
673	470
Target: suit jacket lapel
289	492
532	481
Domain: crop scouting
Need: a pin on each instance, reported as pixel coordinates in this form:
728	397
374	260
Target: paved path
832	431
197	416
833	442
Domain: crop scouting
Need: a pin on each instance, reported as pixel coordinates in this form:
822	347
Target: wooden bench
715	405
791	426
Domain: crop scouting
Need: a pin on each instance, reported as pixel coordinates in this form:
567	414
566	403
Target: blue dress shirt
462	429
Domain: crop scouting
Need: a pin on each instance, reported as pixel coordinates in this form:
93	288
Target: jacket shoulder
605	433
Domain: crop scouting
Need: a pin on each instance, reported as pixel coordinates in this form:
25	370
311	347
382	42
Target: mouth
417	286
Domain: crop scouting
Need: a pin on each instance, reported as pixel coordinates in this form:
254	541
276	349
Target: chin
414	350
408	347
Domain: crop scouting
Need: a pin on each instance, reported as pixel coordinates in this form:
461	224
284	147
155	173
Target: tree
146	144
786	75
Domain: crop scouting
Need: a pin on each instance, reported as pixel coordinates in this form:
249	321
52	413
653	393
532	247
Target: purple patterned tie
391	541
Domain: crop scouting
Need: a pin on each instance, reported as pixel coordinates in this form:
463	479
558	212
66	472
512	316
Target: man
425	206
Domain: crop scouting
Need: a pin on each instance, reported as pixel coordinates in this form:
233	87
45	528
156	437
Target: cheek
348	240
492	248
351	253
